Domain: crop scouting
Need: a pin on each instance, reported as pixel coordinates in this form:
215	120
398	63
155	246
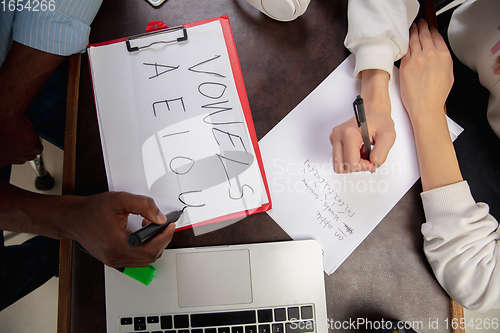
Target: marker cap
142	274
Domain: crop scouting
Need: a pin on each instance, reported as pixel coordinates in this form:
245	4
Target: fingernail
161	217
413	25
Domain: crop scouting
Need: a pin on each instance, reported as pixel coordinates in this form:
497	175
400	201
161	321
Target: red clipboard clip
139	47
156	25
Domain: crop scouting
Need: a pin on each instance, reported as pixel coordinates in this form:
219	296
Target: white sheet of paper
309	199
172	125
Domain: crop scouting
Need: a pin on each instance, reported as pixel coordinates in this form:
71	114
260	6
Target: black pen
152	229
359	112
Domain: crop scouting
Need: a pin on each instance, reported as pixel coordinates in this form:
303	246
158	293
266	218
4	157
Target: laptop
254	288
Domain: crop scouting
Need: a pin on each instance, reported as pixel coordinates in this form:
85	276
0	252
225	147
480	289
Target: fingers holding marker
347	149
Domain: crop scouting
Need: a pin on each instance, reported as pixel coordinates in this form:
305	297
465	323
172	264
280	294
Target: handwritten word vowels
226	125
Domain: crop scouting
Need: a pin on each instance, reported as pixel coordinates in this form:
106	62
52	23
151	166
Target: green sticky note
142	274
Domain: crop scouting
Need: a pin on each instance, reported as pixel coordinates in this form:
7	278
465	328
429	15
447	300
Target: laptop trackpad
213	278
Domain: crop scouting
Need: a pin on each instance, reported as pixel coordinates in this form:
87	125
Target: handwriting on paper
173	124
203	150
334	213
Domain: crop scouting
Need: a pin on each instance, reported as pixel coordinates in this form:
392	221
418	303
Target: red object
155	26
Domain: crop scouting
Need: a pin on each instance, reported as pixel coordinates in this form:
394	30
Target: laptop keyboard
292	319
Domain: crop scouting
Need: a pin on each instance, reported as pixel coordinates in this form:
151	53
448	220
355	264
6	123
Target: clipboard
140	119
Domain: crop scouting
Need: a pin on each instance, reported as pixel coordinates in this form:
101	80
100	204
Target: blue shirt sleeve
6	19
60	26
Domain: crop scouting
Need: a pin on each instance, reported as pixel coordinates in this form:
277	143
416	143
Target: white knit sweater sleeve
378	32
461	243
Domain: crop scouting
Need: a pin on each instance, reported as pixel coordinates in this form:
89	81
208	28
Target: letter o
214	91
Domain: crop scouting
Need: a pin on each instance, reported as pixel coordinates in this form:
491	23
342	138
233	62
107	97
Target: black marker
152	229
359	112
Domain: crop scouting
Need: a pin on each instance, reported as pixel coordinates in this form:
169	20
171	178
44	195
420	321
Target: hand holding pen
99	224
109	213
359	113
349	148
149	231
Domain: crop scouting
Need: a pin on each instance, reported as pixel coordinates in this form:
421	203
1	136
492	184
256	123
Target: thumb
382	145
145	207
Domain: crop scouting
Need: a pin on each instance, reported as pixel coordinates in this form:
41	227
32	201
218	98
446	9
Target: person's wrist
375	91
65	214
75	213
427	118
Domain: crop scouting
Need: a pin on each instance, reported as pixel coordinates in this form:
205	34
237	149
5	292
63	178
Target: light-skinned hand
426	78
426	73
346	138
